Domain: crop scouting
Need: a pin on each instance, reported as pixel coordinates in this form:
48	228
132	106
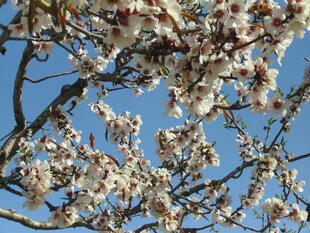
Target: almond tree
195	47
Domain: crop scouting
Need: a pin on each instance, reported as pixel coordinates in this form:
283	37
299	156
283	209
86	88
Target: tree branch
2	2
10	147
146	226
230	175
18	86
75	89
6	34
37	225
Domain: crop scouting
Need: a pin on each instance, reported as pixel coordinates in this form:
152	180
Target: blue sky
149	106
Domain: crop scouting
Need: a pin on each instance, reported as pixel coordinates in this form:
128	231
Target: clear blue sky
37	97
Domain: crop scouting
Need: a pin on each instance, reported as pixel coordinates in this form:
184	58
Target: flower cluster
189	138
246	147
36	180
64	216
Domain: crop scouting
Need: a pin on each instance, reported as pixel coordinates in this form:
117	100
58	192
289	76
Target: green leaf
50	108
217	184
213	144
280	91
165	70
292	88
307	59
271	121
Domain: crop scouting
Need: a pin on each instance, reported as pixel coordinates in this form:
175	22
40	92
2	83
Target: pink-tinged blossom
300	9
130	25
194	206
205	50
104	221
149	23
276	106
275	230
298	186
265	168
88	66
64	217
237	13
219	62
212	191
275	23
118	37
245	71
254	195
34	201
242	90
148	65
103	111
43	47
201	105
217	217
170	222
276	208
297	215
36	178
137	92
220	13
238	217
99	23
19	29
173	109
213	114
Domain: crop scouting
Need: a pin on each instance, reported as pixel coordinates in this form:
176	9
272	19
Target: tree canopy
218	61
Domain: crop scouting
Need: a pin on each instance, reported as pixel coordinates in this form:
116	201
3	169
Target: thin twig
6	34
50	76
67	49
85	32
7	135
247	44
276	137
299	157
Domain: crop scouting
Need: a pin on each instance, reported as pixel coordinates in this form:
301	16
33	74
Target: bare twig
6	34
50	76
33	39
276	137
232	107
11	190
85	32
7	135
247	44
67	49
299	157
